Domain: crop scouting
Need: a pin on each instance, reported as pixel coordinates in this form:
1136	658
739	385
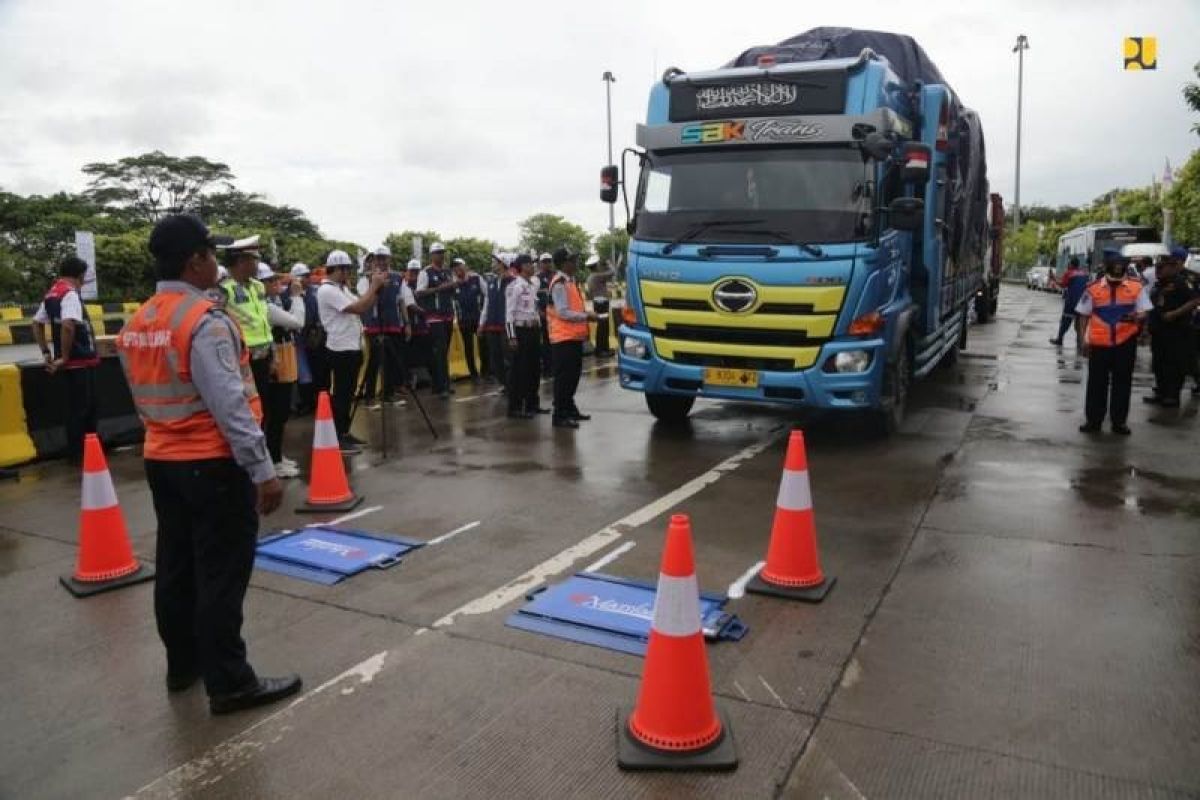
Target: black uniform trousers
81	407
345	365
261	369
470	330
497	363
386	354
525	376
207	530
439	366
568	366
277	407
1173	347
601	308
1109	382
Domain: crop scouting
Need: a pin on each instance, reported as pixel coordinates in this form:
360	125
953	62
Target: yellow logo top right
1141	52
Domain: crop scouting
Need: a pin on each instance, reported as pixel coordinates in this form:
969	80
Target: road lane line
604	561
738	588
477	396
521	585
453	533
772	692
347	517
240	748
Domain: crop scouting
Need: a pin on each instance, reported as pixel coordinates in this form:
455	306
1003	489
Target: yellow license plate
717	376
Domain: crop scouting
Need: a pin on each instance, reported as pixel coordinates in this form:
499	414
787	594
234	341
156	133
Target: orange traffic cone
105	560
793	567
674	725
328	489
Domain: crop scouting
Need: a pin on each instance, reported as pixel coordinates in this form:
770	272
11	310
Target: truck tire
897	377
983	309
670	408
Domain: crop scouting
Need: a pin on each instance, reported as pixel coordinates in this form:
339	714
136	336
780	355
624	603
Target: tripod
389	360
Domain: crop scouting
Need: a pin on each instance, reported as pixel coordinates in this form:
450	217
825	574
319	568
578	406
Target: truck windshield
817	195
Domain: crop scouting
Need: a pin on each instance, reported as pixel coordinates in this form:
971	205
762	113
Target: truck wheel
896	379
670	408
983	309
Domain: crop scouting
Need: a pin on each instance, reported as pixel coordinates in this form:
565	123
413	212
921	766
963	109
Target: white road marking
605	560
521	585
772	692
236	750
738	588
741	691
362	512
453	533
477	396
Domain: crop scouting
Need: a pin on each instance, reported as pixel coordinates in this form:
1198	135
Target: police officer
468	303
384	326
523	325
436	286
568	319
207	464
1171	338
492	321
246	302
600	273
1110	316
1074	283
74	352
541	282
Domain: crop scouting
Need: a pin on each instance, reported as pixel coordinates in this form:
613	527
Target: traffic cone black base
78	588
632	755
345	505
809	594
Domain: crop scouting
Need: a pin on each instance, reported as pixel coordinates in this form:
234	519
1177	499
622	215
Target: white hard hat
222	273
265	273
414	264
338	258
299	270
1193	263
249	243
383	250
459	261
592	261
437	247
545	257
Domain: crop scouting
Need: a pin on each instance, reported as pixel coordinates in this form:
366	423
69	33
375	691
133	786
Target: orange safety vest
560	329
1113	306
155	347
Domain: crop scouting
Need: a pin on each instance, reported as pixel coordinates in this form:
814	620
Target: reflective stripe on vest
1112	309
561	330
155	350
248	307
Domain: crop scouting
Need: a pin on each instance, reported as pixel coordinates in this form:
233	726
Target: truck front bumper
813	387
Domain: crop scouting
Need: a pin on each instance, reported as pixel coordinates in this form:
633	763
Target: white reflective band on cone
794	494
98	491
677	606
324	435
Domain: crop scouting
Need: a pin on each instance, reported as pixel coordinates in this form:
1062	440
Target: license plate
718	376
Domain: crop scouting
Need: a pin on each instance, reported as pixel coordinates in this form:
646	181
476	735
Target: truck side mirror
906	213
916	163
877	146
609	180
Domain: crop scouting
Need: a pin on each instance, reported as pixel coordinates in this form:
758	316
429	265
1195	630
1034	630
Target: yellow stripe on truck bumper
801	357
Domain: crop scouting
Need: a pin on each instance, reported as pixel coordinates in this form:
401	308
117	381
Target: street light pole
609	79
1020	48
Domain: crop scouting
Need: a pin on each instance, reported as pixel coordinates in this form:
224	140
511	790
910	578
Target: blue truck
809	228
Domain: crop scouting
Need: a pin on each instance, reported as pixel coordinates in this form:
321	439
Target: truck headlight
852	361
634	348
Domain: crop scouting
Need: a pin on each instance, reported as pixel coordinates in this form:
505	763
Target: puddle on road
1140	490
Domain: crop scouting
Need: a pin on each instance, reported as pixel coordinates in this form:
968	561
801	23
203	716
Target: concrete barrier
16	446
45	407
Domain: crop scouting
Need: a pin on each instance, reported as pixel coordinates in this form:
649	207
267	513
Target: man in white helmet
436	286
339	309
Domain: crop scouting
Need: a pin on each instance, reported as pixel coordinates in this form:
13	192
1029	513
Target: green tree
476	252
1191	95
610	242
402	248
153	184
1184	201
544	233
124	266
235	207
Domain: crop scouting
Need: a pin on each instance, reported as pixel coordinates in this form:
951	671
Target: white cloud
466	117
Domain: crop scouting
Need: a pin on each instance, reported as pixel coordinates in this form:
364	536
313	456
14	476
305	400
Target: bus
1090	241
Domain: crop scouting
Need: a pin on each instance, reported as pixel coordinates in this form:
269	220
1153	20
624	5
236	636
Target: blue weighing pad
607	611
326	555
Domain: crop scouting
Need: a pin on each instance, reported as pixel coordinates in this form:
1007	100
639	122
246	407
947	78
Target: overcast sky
466	117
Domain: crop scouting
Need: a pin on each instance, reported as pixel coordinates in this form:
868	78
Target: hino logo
734	295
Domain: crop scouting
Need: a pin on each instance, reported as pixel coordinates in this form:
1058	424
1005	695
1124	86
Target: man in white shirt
339	310
523	326
74	350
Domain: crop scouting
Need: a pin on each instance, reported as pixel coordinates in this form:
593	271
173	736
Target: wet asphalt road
1017	610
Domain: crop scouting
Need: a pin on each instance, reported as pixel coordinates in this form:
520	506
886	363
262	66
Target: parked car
1038	278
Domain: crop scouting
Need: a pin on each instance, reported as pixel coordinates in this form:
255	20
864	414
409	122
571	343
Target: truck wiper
701	227
811	249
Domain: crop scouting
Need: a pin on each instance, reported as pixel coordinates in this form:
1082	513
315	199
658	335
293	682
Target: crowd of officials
1112	311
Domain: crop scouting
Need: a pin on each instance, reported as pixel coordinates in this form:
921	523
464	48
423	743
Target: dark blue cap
1179	253
1112	254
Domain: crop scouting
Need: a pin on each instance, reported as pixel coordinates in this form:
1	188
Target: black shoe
264	691
350	438
1152	399
1123	430
538	410
1056	342
565	422
181	682
1088	427
520	415
1168	402
581	417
